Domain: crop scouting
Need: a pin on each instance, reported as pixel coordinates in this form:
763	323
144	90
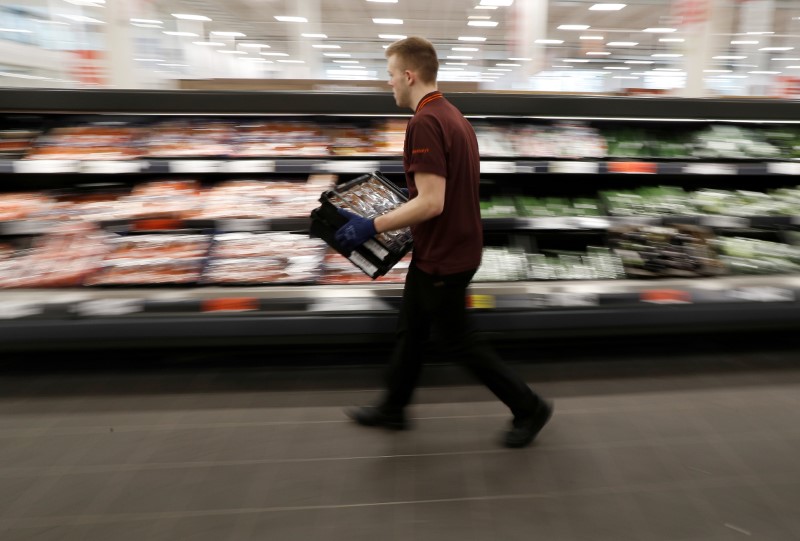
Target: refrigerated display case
150	217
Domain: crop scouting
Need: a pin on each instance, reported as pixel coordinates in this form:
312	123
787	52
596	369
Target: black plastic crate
369	196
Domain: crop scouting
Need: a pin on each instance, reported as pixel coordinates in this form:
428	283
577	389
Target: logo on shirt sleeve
420	151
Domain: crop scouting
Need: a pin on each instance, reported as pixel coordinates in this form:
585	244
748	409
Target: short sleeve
426	147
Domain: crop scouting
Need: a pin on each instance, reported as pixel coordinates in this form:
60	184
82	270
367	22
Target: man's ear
410	76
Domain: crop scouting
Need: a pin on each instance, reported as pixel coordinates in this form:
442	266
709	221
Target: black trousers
438	304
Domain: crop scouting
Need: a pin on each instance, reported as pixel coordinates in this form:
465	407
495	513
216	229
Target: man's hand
355	232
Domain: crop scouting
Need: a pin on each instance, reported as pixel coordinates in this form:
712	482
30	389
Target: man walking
442	166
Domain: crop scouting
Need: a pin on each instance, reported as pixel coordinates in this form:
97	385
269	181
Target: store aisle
655	446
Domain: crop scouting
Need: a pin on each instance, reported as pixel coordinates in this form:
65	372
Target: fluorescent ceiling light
457	57
387	21
210	43
646	62
549	41
667	69
622	44
392	36
292	61
496	3
188	17
144	25
728	57
657	30
616	68
346	61
231	52
595	38
82	19
671	40
490	24
776	48
149	59
764	72
563	67
274	54
576	60
456	63
229	34
483	17
760	33
607	7
509	65
290	19
254	46
451	69
744	42
317	46
625	77
597	53
174	65
466	49
87	3
320	36
146	21
574	27
20	75
717	71
471	38
185	34
16	30
785	59
498	69
337	55
793	67
520	59
666	55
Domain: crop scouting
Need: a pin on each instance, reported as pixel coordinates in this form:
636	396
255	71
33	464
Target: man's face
399	82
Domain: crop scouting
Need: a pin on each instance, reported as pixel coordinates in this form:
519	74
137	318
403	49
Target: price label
498	167
348	166
109	307
641	168
110	167
578	168
249	166
710	169
243	224
376	249
762	294
735	222
481	302
361	262
572	298
14	309
46	166
784	168
352	304
195	166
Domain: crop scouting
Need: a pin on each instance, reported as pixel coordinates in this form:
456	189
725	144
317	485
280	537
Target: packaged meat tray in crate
369	196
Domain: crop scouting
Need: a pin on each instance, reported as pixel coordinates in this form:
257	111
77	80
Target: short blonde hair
416	54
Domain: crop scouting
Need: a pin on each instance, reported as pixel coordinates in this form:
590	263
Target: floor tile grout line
77	520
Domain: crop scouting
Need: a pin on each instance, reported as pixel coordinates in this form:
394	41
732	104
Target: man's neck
418	93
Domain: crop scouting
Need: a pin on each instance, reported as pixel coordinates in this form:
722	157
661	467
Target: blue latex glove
355	232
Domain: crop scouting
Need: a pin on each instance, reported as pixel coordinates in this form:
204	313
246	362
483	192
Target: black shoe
372	416
525	429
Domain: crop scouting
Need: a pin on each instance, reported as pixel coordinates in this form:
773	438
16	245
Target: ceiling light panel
622	43
183	34
316	46
592	38
466	49
658	30
318	36
188	17
392	36
574	27
146	21
471	38
209	43
290	19
487	24
497	3
607	7
229	34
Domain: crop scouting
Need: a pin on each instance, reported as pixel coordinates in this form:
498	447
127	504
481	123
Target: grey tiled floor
690	447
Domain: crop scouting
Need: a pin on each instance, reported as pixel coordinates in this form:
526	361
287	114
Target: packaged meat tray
14	143
147	272
90	142
62	259
172	199
339	270
280	138
23	205
193	139
157	246
368	196
264	258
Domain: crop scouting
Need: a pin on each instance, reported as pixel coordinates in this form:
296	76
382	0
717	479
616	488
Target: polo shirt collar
427	98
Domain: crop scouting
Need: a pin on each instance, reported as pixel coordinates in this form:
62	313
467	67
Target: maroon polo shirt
441	141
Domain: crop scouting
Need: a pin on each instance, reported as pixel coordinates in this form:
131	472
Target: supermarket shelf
382	104
368	164
359	312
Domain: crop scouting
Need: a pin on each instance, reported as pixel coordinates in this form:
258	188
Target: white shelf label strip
46	166
195	166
